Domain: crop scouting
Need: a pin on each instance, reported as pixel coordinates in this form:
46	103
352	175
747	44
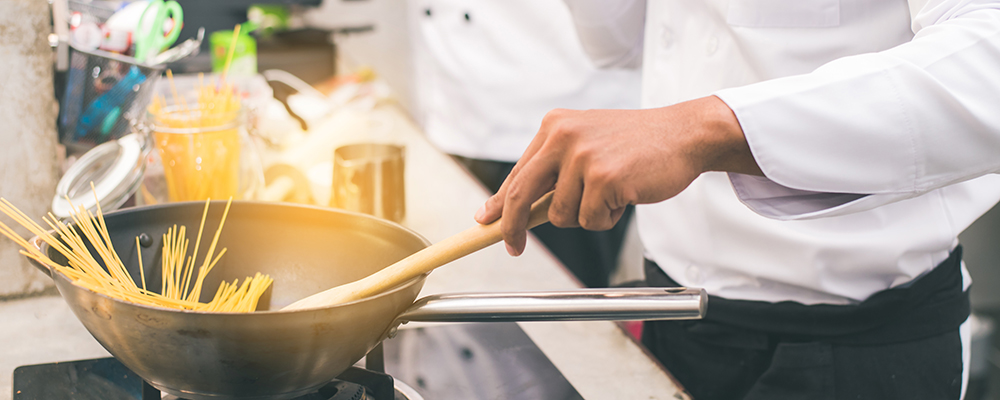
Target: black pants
590	255
902	343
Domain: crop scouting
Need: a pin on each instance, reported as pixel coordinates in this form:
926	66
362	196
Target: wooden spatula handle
467	242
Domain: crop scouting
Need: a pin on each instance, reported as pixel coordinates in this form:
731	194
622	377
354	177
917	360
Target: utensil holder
104	92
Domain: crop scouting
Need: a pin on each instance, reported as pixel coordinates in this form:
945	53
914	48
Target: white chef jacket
487	71
875	122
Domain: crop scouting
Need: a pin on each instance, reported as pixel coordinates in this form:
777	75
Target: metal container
104	92
368	178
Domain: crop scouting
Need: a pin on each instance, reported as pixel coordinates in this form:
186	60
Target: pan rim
398	288
45	248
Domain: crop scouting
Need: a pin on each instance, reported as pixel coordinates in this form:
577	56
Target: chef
810	164
486	72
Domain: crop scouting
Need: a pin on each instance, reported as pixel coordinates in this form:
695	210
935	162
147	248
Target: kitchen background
321	38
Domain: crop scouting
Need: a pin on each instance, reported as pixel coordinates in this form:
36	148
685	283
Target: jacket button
713	45
666	37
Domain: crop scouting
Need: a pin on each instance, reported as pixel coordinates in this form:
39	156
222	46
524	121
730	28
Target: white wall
387	48
28	169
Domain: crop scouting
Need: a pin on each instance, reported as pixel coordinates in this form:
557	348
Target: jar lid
115	168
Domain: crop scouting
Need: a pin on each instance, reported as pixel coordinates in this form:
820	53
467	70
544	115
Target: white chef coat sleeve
867	130
611	32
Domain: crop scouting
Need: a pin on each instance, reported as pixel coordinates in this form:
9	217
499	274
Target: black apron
900	343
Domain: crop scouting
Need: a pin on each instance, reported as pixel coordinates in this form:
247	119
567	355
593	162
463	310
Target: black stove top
108	379
438	362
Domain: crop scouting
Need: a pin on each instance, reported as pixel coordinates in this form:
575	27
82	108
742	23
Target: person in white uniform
486	74
810	164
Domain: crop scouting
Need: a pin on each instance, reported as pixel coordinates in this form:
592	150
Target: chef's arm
600	161
872	129
611	32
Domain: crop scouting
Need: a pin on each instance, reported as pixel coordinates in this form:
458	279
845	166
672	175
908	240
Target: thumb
491	210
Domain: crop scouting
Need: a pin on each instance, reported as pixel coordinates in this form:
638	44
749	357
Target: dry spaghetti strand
199	143
87	271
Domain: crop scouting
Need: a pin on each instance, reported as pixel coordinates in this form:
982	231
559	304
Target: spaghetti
180	288
199	143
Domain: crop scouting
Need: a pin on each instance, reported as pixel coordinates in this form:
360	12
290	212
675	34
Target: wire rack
102	10
104	93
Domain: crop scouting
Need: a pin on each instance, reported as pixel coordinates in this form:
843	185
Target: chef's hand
600	161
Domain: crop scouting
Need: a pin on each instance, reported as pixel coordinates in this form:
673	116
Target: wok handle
618	304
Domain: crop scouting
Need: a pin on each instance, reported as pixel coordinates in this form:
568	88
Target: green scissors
149	37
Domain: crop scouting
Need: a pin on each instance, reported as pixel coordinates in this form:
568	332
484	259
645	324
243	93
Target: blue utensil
104	111
149	37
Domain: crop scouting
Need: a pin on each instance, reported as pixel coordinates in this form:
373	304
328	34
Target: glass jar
205	155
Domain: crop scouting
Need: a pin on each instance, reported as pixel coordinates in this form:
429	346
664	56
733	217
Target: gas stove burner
341	391
108	379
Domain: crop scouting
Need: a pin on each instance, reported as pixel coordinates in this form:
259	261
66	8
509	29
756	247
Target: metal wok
285	354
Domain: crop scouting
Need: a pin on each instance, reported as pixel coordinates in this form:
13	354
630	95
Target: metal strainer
104	91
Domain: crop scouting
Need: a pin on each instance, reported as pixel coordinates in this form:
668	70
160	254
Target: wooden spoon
466	242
